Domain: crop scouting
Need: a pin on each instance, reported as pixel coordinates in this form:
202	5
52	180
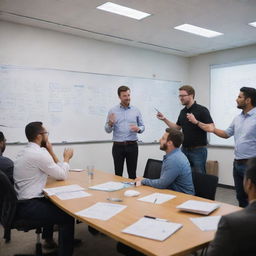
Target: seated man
31	169
176	172
236	231
6	164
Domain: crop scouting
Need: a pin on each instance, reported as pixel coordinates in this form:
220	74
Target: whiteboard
73	106
226	82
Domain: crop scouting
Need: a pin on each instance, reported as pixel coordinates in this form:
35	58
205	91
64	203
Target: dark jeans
129	153
197	158
48	214
238	174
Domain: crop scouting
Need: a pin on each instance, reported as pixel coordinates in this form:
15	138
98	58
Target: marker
157	110
154	218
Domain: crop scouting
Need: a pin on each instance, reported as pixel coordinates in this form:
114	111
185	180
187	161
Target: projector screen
226	81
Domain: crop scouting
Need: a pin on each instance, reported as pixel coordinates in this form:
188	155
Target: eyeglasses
182	96
47	133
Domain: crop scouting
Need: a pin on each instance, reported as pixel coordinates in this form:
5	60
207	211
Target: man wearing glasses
195	139
32	167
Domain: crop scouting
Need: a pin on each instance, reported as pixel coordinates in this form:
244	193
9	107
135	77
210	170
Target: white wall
33	47
199	77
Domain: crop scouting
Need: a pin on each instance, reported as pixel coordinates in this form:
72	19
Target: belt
241	161
128	142
194	147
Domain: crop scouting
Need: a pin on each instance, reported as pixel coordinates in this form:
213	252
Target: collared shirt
6	165
124	118
175	174
243	128
31	169
194	135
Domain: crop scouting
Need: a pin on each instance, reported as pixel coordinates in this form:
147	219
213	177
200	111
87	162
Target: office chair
153	169
8	214
205	185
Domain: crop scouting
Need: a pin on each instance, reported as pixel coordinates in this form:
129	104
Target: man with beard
236	231
126	122
32	167
176	172
6	164
243	128
195	139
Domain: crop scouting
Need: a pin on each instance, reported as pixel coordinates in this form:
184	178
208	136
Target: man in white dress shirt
32	167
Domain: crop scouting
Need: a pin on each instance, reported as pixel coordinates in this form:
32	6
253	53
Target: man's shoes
50	244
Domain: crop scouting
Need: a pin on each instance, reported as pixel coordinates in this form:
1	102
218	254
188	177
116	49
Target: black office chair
205	185
8	214
153	169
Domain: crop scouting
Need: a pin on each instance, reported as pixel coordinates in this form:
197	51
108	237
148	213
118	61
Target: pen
129	183
157	110
155	200
154	218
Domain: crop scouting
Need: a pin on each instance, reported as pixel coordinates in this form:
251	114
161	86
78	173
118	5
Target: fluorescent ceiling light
252	24
122	10
198	31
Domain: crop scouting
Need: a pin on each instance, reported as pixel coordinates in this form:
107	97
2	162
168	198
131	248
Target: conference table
186	240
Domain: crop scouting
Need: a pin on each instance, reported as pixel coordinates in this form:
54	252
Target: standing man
236	231
176	172
195	139
243	128
6	164
32	167
126	122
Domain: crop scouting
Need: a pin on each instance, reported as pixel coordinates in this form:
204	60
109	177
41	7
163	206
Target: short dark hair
251	170
122	88
2	138
33	129
175	136
249	92
189	89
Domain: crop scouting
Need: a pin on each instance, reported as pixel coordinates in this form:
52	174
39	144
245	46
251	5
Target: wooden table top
188	239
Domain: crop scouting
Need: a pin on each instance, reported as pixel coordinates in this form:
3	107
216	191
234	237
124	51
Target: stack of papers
102	211
152	228
109	186
157	198
207	223
67	192
198	207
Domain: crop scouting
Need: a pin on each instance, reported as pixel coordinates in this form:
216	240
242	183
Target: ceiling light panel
198	30
123	10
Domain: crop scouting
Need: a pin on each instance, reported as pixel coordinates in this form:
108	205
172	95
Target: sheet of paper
61	189
77	170
152	228
207	223
72	195
109	186
101	211
157	198
198	207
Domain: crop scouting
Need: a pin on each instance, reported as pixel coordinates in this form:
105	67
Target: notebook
152	228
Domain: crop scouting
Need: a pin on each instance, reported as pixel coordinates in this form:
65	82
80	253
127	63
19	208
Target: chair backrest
153	169
8	201
205	185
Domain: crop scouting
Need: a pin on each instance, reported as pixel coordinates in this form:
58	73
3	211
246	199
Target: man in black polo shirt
195	139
